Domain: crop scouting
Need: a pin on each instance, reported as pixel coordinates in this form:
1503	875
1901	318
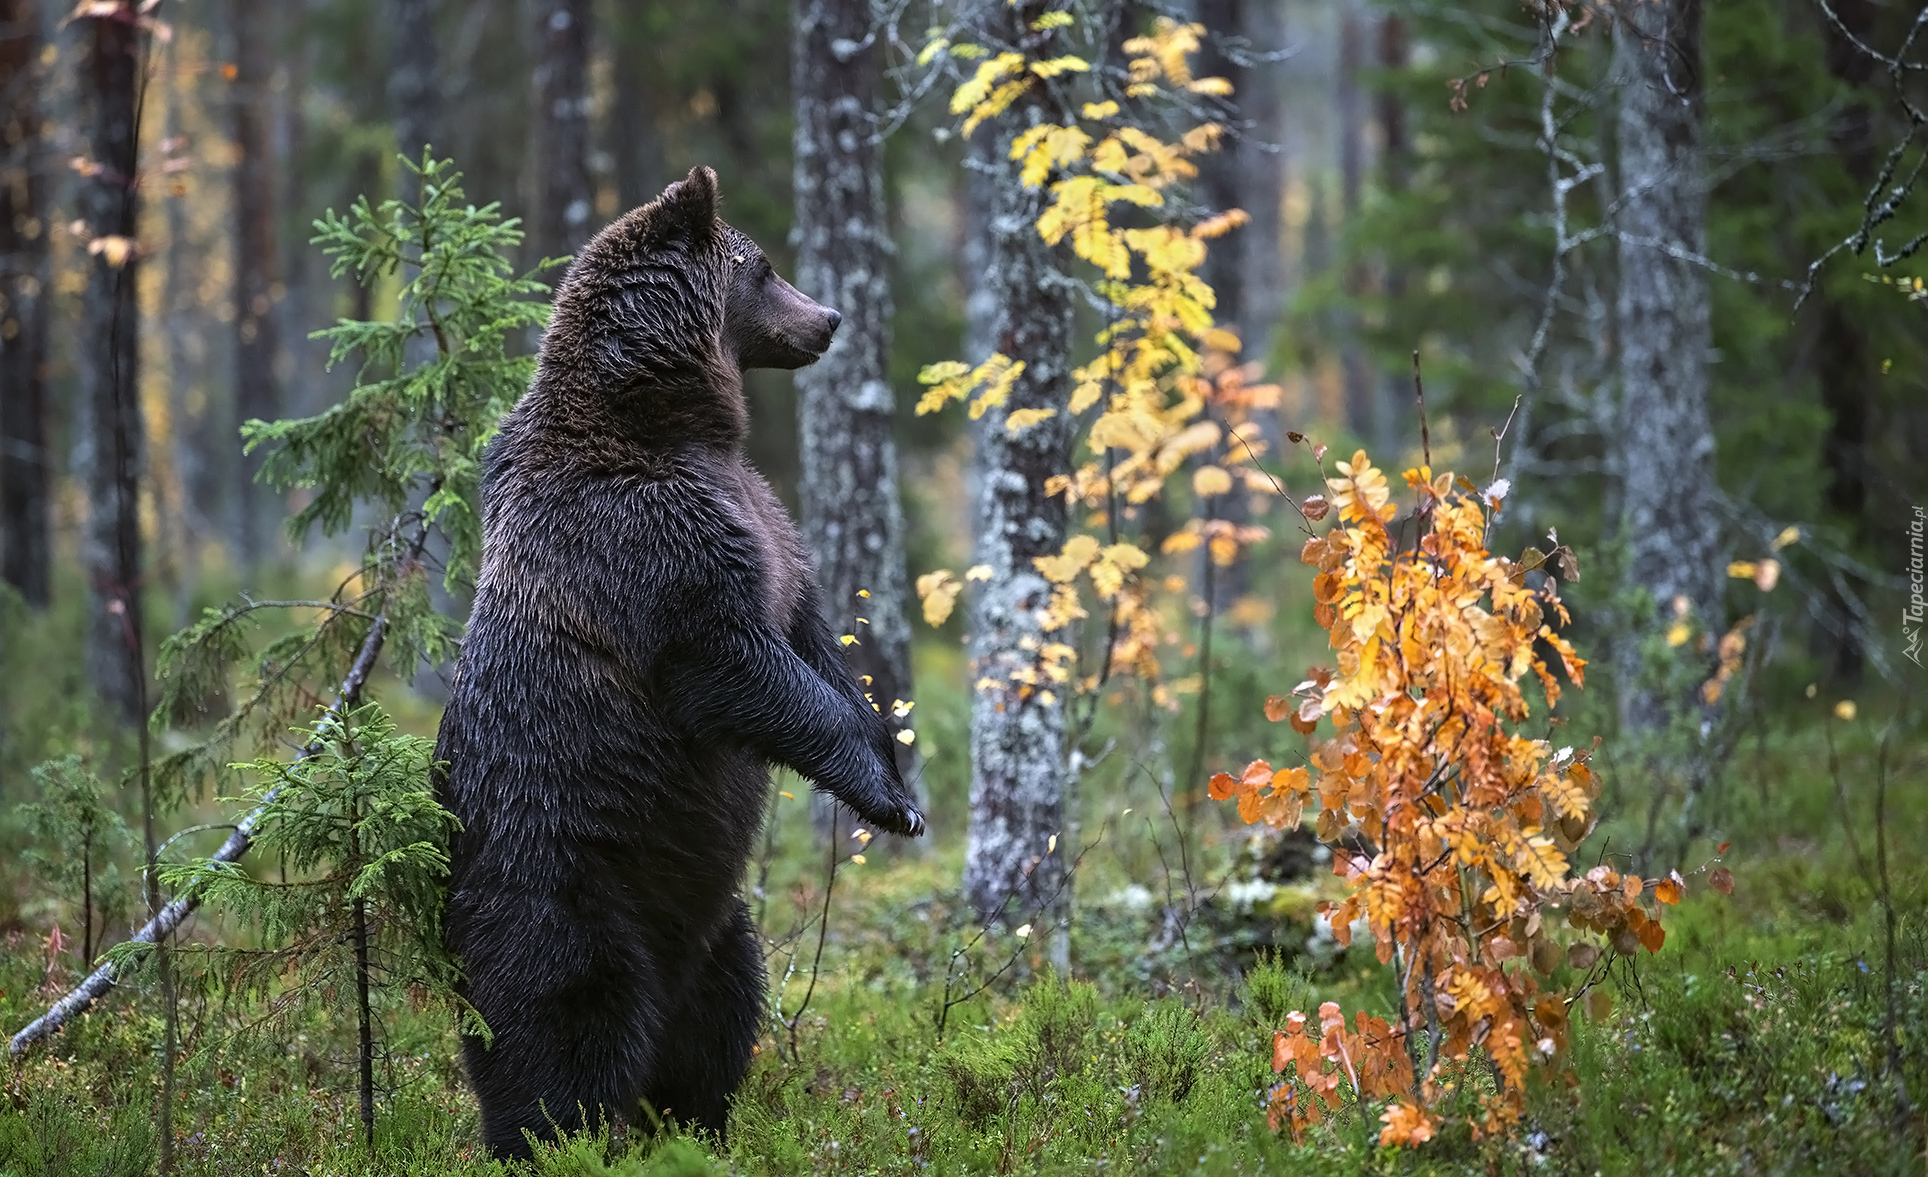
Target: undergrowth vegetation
1754	1042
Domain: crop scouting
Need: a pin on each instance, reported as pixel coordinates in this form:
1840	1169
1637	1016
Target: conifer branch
183	905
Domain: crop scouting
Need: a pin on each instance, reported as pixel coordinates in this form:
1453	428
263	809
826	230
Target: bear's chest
783	568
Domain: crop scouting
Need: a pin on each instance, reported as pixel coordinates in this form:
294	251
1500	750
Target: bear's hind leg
572	1036
707	1042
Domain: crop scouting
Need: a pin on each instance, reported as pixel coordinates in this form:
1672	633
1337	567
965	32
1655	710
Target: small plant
74	835
360	909
1451	828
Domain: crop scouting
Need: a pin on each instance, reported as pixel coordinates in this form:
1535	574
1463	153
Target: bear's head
660	314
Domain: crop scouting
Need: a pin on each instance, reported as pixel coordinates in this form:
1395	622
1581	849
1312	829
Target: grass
1755	1042
1758	1041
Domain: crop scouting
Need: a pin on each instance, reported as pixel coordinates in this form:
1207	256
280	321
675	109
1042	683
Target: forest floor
1765	1037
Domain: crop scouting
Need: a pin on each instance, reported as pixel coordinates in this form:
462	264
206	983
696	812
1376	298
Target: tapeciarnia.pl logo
1912	613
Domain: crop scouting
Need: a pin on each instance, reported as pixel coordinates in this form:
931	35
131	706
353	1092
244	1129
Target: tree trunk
634	143
1665	439
1368	416
1018	770
1220	174
1395	164
23	307
110	415
414	97
256	396
564	196
852	517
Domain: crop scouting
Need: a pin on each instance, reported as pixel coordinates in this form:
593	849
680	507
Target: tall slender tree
1019	775
853	519
414	93
23	307
256	339
109	416
564	197
1664	439
1365	412
634	143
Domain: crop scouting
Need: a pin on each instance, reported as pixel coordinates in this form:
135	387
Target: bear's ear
690	204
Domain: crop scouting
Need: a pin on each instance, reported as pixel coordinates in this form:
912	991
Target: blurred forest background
1684	401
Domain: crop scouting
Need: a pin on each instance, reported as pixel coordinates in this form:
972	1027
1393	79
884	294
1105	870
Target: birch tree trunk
414	94
256	394
109	417
564	195
1665	439
23	307
1018	769
853	519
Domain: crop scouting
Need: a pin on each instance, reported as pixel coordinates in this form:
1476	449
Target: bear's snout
835	320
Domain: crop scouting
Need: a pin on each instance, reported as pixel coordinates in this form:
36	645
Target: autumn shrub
1451	826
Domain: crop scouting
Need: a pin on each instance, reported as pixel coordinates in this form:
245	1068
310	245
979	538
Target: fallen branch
181	906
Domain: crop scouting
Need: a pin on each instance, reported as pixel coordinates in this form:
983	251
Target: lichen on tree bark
1018	770
852	516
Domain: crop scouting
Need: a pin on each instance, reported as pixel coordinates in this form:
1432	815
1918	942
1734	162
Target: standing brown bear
646	641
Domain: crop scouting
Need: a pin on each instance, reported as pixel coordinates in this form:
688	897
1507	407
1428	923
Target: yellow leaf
1023	931
114	249
978	572
1788	536
938	590
1845	711
1060	65
907	737
849	639
858	859
1210	481
791	796
930	51
1100	110
1020	420
1741	570
1678	633
973	93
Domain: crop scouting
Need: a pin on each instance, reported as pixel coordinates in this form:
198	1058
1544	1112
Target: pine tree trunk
365	1022
414	96
110	416
1260	158
256	395
23	307
1018	770
564	197
1665	439
634	144
852	517
1366	412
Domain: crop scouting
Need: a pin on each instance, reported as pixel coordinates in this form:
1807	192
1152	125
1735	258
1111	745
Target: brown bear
646	640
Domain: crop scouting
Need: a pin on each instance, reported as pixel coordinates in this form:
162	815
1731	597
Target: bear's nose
835	319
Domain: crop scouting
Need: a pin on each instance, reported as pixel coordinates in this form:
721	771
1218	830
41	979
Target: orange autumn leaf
1406	1123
